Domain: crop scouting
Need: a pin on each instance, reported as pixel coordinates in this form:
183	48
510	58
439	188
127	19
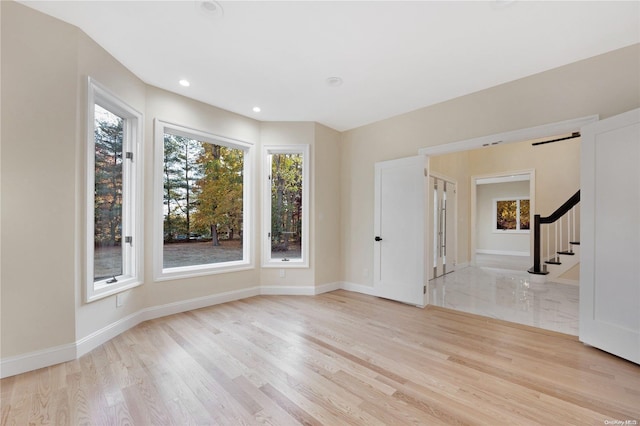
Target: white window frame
160	273
132	210
510	231
267	261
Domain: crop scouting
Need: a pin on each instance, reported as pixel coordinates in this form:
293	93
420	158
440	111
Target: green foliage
286	200
182	168
108	178
202	188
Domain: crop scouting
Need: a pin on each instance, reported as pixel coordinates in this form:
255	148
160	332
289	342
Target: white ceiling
393	56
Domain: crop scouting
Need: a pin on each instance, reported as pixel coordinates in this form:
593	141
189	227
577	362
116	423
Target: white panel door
399	227
610	235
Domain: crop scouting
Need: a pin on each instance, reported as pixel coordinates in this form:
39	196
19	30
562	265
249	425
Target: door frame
529	133
532	206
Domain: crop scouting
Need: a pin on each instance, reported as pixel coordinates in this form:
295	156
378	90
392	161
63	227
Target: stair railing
554	218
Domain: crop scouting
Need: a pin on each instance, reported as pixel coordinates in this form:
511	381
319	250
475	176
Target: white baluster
548	239
555	247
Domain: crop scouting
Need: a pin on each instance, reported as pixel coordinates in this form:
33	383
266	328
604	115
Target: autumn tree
220	192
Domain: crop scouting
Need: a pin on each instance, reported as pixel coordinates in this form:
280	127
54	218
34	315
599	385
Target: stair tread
568	253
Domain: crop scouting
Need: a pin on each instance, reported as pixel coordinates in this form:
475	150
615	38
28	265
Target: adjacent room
487	266
218	212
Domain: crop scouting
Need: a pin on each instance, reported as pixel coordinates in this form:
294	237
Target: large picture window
286	206
202	192
114	242
512	215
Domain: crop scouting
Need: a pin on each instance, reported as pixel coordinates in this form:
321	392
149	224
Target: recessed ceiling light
184	83
334	81
256	109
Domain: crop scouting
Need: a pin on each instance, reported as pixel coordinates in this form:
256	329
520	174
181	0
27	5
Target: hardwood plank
337	358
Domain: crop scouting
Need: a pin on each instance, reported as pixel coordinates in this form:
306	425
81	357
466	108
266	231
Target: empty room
221	212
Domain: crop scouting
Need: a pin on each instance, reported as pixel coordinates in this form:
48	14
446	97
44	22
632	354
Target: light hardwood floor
334	359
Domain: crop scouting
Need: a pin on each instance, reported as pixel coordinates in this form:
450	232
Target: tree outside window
512	215
203	193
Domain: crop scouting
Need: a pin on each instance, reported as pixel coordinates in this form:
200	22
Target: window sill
183	272
106	291
291	264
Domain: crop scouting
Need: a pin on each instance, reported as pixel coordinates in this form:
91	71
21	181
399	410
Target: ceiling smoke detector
211	7
334	81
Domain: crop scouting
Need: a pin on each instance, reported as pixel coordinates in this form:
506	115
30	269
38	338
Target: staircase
556	243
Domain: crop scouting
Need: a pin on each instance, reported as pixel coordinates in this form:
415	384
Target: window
114	233
511	215
202	192
286	204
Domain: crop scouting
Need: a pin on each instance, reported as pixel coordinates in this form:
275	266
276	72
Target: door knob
378	239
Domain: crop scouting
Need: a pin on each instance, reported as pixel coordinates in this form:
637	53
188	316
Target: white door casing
399	224
610	235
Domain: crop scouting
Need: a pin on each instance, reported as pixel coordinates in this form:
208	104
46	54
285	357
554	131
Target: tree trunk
214	235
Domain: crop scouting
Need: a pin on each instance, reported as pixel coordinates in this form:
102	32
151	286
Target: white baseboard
503	252
358	288
325	288
11	366
97	338
44	358
291	290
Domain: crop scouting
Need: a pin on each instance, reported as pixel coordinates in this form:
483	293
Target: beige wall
607	85
39	91
45	66
326	257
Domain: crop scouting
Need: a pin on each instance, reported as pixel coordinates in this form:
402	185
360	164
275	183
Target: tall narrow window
204	202
286	206
114	245
108	192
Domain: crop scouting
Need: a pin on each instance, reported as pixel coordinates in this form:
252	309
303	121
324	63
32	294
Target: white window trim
267	261
132	194
163	274
495	216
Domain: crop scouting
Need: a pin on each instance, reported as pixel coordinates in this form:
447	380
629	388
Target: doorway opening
502	209
509	294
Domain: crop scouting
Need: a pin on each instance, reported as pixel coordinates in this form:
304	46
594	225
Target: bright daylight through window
286	203
204	203
512	215
114	245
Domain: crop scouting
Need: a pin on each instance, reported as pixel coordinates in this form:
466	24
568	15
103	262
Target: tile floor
500	290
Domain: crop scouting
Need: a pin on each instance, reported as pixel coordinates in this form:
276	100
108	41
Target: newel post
536	244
